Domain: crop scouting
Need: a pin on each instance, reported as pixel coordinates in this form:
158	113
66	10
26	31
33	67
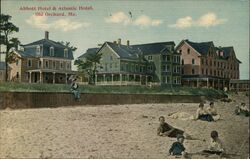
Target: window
193	71
141	68
136	68
202	61
214	72
168	58
46	64
214	63
111	58
211	72
163	68
168	68
206	62
180	51
29	63
168	79
178	59
17	75
66	54
182	61
106	67
110	65
61	65
188	51
202	71
206	72
54	64
39	64
164	57
17	62
38	50
115	65
193	61
51	51
175	59
150	58
211	62
68	66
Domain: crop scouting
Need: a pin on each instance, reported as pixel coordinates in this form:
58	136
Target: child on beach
177	148
242	110
202	114
215	146
212	111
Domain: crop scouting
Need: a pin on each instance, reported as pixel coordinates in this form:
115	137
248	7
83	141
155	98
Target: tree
6	29
89	65
68	45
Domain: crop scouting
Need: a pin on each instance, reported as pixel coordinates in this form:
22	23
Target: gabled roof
30	49
90	51
2	65
201	47
226	52
154	48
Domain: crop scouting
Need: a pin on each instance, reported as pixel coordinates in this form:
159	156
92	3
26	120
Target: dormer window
188	51
38	50
51	51
66	53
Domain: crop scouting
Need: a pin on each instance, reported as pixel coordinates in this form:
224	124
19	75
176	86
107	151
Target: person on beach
177	148
242	110
212	111
215	146
165	129
202	114
75	90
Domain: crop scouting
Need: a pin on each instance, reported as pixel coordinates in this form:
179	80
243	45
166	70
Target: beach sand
116	131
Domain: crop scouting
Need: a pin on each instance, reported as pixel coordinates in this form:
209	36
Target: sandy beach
116	131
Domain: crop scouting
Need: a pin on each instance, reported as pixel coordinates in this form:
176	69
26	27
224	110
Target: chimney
46	35
119	41
127	42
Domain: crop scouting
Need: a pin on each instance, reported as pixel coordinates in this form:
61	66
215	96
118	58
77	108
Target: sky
225	22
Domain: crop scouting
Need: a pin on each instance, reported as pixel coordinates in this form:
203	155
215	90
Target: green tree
68	45
89	66
6	29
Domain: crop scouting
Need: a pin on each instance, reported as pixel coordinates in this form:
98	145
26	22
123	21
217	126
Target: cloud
147	21
210	19
142	21
183	22
118	17
207	20
41	22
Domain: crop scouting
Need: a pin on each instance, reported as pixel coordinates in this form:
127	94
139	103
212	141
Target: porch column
120	79
41	77
95	78
134	78
104	78
223	84
112	78
213	83
146	80
140	79
30	73
188	83
127	79
66	80
197	84
207	82
218	84
54	77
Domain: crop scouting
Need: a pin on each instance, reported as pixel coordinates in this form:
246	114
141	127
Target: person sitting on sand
242	110
215	146
74	90
212	111
167	130
177	148
202	114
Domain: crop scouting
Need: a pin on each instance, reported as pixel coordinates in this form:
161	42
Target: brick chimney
127	42
119	41
46	35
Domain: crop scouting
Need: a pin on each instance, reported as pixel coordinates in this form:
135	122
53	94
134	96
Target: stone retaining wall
18	100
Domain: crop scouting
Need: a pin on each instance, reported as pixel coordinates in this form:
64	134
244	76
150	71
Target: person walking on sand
202	114
212	111
75	90
242	110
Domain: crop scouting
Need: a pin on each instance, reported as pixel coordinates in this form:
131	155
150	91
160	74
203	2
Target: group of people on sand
178	149
209	114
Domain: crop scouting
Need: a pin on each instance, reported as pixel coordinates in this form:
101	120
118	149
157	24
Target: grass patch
175	90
